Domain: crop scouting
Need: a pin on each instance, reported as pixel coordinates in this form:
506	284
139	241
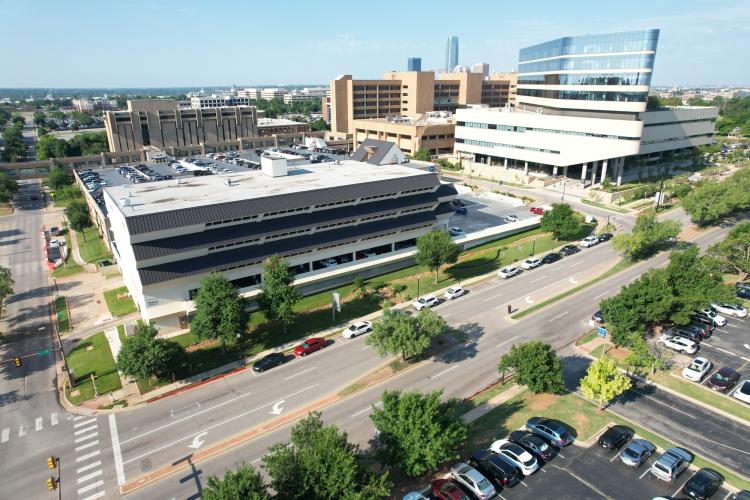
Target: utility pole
660	196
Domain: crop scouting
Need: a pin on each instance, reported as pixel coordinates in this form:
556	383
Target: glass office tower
451	53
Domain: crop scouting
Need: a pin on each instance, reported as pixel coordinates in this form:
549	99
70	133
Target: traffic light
51	485
19	362
51	462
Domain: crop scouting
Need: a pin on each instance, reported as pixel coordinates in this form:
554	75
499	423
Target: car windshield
695	367
629	452
542	445
305	345
661	468
721	377
484	484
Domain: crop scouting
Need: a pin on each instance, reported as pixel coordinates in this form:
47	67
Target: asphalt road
466	369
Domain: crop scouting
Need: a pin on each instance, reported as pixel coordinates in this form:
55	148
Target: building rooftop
421	120
277	122
194	192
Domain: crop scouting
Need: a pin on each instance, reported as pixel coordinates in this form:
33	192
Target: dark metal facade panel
160	221
243	255
222	235
381	149
446	190
445	208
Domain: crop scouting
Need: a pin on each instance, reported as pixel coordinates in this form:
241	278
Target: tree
15	146
319	462
8	187
77	213
219	310
319	124
707	203
422	155
535	365
603	382
561	221
417	432
51	147
734	251
651	356
647	237
435	249
6	285
88	143
405	335
58	177
278	295
144	355
40	119
359	286
244	482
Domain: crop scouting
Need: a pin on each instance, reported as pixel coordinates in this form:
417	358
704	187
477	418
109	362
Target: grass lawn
63	321
119	307
604	206
121	333
69	267
91	245
99	361
707	396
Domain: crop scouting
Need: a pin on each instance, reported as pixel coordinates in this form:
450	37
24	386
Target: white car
329	262
507	272
456	231
473	480
515	455
719	320
356	329
511	218
531	263
426	301
735	310
697	369
453	292
679	344
743	391
589	241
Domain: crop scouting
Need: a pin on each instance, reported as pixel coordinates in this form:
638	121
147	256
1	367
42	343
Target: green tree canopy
15	147
651	356
647	237
278	295
242	483
58	177
422	155
535	365
417	432
405	335
561	221
436	249
6	284
77	213
319	463
144	355
219	310
734	251
8	187
603	382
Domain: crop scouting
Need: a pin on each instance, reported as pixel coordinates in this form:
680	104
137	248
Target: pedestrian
510	308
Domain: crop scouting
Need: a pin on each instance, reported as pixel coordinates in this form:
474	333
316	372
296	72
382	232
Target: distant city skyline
139	44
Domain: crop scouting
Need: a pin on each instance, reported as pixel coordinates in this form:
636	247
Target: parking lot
483	213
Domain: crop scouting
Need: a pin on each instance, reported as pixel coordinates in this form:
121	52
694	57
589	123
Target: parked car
507	272
670	465
515	455
703	484
461	211
458	202
717	318
605	237
724	379
531	263
637	452
743	391
511	218
453	292
703	321
703	330
551	430
414	495
309	346
54	231
473	480
679	331
495	468
589	241
551	257
532	443
330	262
697	369
358	328
445	489
679	344
742	293
536	210
597	316
456	231
614	437
426	301
569	250
269	361
735	310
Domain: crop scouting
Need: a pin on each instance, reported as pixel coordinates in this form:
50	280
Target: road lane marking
87	422
509	340
558	316
21	431
89	466
89	476
85	457
116	449
214	426
257	460
53	418
90	487
492	297
38	424
96	495
86	437
87	445
601	295
662	403
538	279
85	429
379	403
6	435
300	373
733	326
444	371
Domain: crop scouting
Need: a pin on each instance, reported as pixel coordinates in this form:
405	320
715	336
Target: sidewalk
486	407
76	251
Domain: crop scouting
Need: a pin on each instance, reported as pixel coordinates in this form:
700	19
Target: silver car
637	452
473	480
671	464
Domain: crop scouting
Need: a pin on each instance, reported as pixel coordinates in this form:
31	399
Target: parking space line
617	454
729	493
705	379
733	326
663	403
644	473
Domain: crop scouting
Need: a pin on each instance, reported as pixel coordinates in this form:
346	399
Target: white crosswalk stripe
90	444
53	418
89	476
86	432
86	437
96	495
85	457
38	424
86	422
90	487
85	429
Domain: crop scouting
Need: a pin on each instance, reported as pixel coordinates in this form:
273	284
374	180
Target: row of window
680	122
514	128
684	137
631	41
377	87
588	79
375	96
234	244
645	61
487	144
583	95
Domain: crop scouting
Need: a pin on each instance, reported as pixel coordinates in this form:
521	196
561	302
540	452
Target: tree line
15	147
710	201
87	143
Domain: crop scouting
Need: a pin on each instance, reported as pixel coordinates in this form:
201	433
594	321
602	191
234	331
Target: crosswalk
37	425
89	471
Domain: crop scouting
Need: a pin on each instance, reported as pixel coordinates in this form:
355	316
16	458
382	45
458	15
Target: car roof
725	370
671	455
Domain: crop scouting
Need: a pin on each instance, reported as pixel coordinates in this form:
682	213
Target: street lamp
565	183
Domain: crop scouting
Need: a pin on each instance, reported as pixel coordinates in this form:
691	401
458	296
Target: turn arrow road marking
277	409
197	441
529	300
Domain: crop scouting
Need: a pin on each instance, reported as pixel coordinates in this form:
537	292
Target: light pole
660	195
565	183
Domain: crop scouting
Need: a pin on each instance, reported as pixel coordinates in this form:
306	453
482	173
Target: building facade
581	110
218	101
167	237
451	53
276	126
482	68
434	134
273	93
93	105
414	64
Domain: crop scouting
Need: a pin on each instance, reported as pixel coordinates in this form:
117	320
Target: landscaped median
62	314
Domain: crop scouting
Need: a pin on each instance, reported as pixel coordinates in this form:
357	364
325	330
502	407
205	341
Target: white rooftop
275	122
164	196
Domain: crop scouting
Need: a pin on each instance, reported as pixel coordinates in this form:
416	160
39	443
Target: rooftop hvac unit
124	202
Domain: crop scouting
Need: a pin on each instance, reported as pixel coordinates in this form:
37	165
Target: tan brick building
434	134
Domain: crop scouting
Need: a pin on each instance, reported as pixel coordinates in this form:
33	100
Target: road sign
601	331
43	352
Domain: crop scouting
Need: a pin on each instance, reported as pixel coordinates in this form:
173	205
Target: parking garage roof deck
192	192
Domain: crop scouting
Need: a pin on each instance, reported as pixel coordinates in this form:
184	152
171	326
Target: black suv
569	250
550	258
495	468
703	484
703	319
703	329
681	331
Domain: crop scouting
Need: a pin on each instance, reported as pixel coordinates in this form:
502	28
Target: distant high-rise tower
451	53
414	64
483	68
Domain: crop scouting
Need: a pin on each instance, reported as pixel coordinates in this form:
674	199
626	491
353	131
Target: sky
187	43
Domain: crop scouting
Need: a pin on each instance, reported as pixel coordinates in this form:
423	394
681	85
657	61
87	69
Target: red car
445	489
536	210
309	346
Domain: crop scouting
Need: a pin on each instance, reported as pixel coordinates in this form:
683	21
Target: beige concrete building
276	126
159	123
434	134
